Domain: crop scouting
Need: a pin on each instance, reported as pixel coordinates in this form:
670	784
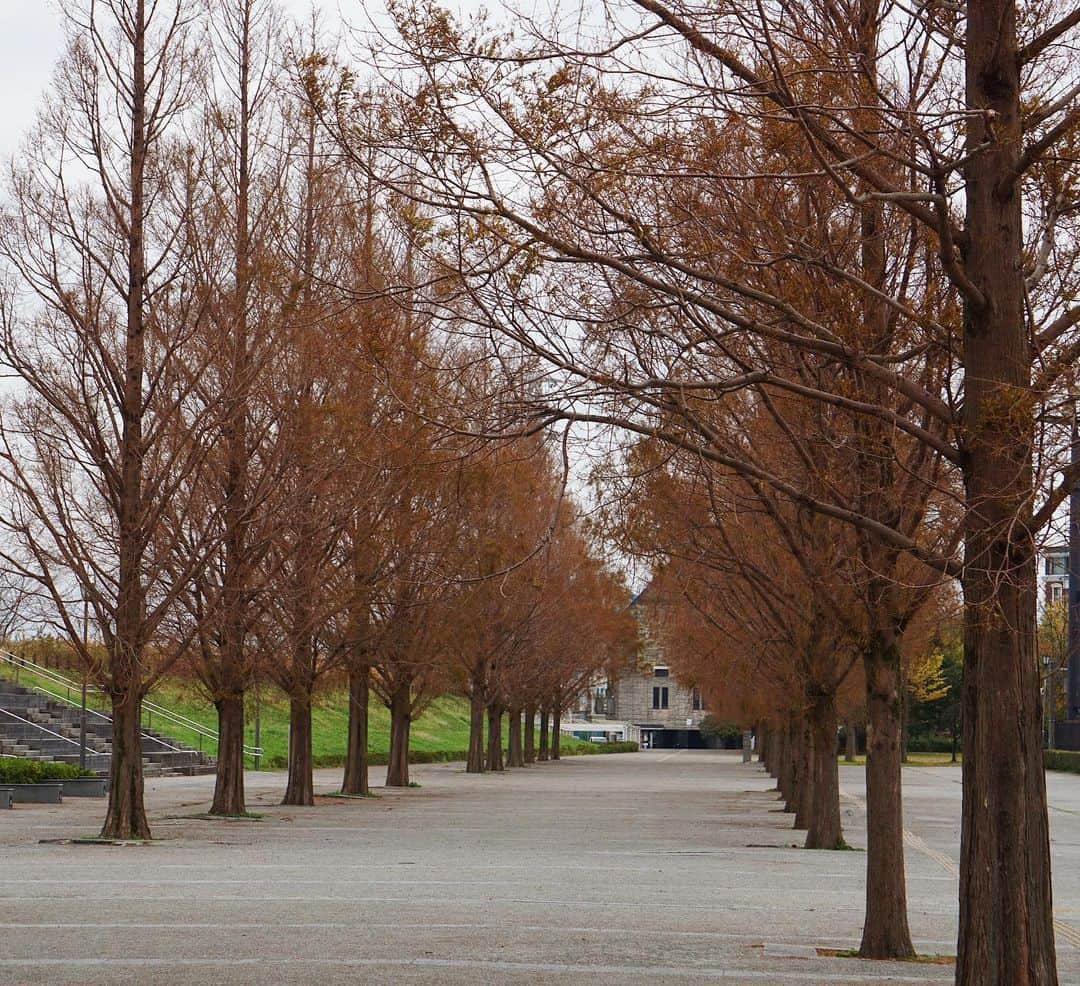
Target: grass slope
443	728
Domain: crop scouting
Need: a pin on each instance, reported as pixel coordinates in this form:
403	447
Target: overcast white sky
30	42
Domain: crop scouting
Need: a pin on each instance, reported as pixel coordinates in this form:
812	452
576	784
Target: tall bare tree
101	311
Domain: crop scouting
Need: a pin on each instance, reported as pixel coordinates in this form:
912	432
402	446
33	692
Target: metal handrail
39	726
182	720
47	673
77	705
151	708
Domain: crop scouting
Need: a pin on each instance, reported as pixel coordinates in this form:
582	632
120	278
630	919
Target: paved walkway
649	868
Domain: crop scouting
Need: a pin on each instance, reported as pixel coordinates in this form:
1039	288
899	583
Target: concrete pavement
659	867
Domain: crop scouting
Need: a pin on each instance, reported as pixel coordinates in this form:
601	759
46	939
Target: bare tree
94	326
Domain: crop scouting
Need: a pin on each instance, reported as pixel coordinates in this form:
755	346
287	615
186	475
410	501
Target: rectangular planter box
5	797
45	793
85	787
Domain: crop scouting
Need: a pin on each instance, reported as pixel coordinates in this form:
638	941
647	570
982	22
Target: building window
1057	564
659	698
696	700
1055	592
660	672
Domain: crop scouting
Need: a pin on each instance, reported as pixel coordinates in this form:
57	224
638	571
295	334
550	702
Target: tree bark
789	780
780	762
556	731
475	762
804	781
851	742
517	754
823	825
544	751
300	787
397	768
355	778
1006	916
494	744
126	815
229	779
885	925
530	734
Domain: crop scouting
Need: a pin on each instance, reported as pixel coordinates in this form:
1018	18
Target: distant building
644	701
1054	573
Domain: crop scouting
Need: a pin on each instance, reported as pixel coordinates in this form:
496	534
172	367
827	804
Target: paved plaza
660	867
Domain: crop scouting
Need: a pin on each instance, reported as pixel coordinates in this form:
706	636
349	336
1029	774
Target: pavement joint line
684	972
407	901
411	926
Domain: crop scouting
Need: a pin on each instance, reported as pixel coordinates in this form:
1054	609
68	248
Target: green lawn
443	728
913	760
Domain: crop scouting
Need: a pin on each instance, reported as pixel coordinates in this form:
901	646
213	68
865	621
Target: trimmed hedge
447	756
624	746
16	770
1064	760
931	744
374	759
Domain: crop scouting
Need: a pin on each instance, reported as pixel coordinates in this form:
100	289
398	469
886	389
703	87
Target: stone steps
162	755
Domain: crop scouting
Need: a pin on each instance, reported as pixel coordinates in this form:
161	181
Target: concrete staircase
36	727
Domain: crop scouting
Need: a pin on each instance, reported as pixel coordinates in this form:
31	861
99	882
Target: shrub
931	744
623	746
448	756
1064	760
16	770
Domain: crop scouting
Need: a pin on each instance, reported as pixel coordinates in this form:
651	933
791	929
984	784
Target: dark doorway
677	739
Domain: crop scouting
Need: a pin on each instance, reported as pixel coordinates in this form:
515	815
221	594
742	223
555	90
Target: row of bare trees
684	216
817	260
235	436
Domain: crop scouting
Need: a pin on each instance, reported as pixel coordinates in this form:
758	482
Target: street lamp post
1074	574
1050	669
258	737
82	712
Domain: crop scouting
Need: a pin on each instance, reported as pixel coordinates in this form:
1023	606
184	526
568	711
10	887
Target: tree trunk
397	767
543	752
300	787
126	815
556	731
789	779
494	744
517	754
804	780
885	925
761	737
823	825
355	779
1006	915
530	733
229	776
475	763
851	742
780	760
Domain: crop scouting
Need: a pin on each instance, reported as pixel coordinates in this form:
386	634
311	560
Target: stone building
1054	573
657	709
